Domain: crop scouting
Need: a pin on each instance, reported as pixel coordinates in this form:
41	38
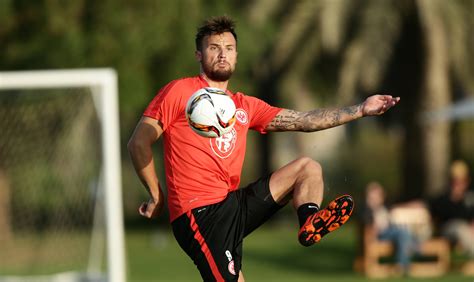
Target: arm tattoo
318	119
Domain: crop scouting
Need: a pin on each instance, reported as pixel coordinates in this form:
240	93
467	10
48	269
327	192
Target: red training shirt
202	171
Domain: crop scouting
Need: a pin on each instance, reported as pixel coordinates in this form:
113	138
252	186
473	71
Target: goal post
102	83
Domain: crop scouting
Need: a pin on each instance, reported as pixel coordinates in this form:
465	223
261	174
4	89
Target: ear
198	55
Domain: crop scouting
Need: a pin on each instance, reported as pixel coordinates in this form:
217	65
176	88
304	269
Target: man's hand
151	209
378	104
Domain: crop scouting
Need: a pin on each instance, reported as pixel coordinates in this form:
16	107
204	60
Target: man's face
218	56
375	195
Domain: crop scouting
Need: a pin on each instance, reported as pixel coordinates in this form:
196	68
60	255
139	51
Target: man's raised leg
302	180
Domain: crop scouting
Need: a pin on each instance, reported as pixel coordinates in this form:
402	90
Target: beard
217	74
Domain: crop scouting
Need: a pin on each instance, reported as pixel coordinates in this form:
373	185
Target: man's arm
146	133
319	119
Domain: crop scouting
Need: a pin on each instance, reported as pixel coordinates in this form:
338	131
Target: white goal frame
103	85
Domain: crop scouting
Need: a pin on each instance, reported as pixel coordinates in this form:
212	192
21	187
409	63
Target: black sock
306	210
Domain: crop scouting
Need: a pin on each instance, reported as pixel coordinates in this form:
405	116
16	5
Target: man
209	214
377	220
454	209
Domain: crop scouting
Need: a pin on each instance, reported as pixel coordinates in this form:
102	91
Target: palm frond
367	54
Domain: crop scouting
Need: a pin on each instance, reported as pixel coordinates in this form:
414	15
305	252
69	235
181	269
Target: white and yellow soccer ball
210	112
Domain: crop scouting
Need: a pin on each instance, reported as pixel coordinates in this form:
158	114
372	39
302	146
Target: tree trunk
436	90
404	79
267	90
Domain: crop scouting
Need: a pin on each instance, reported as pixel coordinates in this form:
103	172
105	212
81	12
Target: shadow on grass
319	259
282	252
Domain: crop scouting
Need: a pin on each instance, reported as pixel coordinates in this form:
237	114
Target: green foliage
52	169
370	154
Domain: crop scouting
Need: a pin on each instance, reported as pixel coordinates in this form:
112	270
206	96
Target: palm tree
428	27
417	49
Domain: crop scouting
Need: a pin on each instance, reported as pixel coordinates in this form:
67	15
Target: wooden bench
418	221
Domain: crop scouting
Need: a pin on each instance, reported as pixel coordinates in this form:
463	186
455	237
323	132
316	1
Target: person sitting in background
453	211
377	215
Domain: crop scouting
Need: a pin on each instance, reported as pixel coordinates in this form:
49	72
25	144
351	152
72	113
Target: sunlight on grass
271	253
44	253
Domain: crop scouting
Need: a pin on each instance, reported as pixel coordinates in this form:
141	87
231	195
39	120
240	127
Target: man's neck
217	84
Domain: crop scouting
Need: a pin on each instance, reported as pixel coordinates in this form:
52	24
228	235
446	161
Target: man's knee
309	167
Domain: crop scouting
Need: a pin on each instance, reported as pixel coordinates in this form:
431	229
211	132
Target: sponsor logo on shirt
224	146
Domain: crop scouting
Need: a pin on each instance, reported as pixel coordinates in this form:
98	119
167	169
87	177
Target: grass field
271	253
44	252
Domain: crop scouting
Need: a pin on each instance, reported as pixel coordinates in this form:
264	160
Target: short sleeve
166	105
261	113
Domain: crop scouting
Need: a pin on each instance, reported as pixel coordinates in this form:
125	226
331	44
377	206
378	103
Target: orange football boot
326	220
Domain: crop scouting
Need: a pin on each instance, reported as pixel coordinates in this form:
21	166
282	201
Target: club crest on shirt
241	116
224	146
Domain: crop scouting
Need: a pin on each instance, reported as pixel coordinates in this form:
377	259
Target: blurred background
302	55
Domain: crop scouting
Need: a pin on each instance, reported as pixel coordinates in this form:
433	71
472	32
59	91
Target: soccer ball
210	112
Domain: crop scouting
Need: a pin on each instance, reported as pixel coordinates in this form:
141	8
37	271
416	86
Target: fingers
143	209
389	98
149	209
389	102
146	209
393	100
379	104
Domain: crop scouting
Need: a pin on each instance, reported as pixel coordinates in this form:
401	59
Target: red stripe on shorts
204	247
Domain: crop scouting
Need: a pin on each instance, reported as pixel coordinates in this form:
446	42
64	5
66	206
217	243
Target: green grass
271	253
38	253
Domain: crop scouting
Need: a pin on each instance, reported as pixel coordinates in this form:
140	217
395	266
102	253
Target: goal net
60	178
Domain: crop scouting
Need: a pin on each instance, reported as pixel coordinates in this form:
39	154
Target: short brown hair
215	25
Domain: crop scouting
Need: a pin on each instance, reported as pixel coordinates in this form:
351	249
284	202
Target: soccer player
209	214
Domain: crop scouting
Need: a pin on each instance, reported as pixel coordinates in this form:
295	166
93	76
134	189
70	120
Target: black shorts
212	235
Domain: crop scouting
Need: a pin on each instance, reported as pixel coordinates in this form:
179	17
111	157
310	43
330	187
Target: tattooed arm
319	119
